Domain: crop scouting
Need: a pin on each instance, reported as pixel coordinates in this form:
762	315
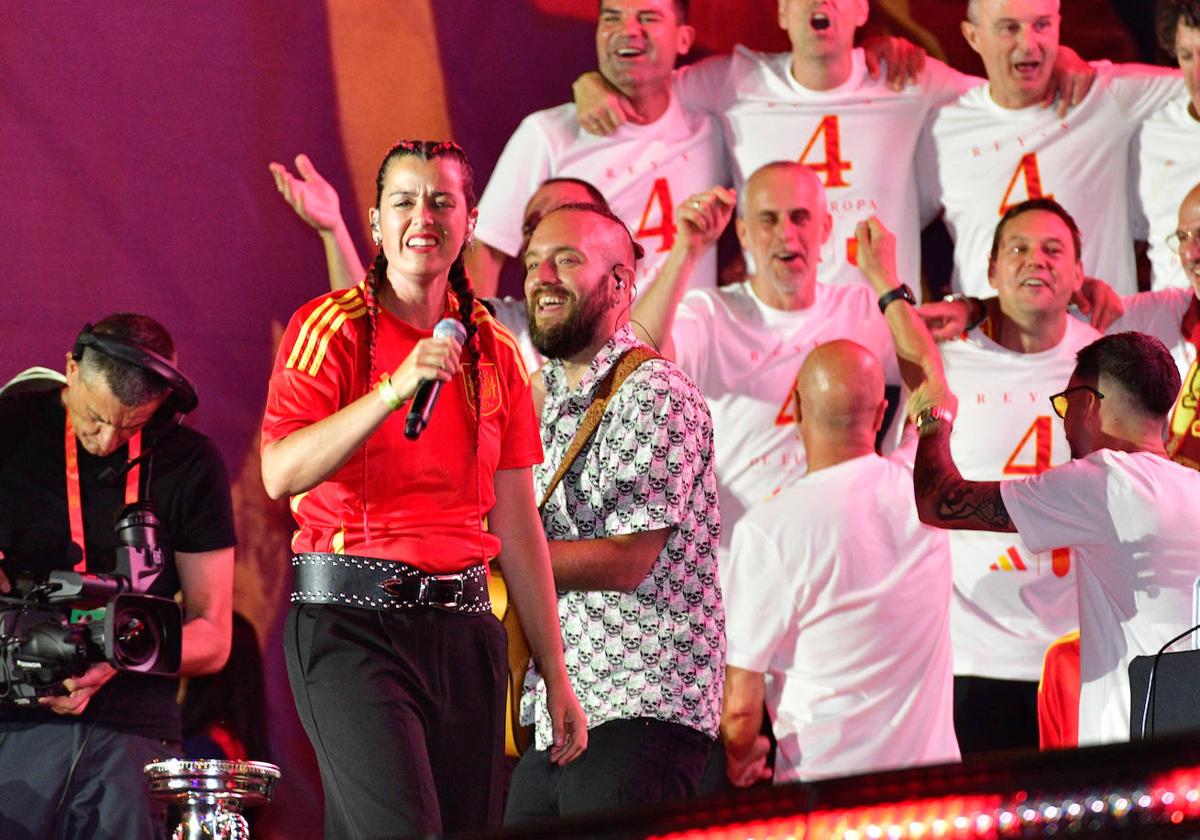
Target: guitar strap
630	361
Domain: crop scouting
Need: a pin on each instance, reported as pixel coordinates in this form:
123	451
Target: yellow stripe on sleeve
320	327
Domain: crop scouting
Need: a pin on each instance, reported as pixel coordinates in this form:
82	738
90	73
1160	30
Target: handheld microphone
428	390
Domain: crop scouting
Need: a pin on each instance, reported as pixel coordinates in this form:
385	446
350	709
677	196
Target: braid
375	275
461	286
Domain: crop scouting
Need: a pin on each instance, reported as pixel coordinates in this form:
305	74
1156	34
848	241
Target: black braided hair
460	284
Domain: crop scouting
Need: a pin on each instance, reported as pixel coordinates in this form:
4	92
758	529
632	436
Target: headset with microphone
182	398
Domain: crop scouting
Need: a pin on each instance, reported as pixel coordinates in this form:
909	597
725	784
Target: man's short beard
574	333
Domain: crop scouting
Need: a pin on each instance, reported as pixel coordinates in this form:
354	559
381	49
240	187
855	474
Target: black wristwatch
901	292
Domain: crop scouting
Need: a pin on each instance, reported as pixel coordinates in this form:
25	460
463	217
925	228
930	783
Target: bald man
834	587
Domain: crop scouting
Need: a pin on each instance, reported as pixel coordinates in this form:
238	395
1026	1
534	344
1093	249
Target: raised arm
316	201
915	349
699	222
944	498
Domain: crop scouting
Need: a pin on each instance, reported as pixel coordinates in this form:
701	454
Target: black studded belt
375	584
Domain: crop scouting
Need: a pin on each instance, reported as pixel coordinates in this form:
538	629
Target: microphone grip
422	406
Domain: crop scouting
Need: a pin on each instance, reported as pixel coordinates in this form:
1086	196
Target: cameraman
71	766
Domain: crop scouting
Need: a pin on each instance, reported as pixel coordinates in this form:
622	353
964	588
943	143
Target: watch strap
901	292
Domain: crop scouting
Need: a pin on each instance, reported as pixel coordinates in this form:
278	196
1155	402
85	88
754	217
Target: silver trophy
211	794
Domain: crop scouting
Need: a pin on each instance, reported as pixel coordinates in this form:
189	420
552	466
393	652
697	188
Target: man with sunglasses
1128	512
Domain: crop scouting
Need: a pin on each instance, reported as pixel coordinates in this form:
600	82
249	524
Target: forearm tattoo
948	500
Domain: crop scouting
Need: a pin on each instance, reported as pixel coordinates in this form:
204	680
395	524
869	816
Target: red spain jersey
1058	695
422	502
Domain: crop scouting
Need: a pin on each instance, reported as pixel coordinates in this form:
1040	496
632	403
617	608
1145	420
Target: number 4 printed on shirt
660	193
829	130
1040	434
1027	170
1040	437
833	167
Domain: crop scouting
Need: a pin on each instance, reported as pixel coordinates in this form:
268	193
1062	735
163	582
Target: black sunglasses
1059	400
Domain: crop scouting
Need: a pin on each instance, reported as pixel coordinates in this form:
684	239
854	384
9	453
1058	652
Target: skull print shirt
658	651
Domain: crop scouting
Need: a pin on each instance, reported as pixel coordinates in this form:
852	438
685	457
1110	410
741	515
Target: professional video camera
54	625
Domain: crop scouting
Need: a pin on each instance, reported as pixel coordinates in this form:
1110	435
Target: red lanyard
75	499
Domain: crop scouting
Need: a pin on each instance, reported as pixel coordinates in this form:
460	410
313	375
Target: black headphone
183	395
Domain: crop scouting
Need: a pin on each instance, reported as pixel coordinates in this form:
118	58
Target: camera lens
137	638
138	525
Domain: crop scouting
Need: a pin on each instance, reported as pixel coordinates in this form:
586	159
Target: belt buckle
423	591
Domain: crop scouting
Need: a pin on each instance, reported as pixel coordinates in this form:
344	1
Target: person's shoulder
1158	313
559	123
845	298
966	344
351	303
665	380
743	59
773	513
966	109
817	491
1145	463
696	122
321	320
492	331
1078	334
28	407
176	442
711	299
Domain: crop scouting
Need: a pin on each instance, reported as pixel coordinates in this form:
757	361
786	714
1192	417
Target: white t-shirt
644	172
1131	519
978	159
1009	602
860	137
745	355
840	596
1160	314
1166	162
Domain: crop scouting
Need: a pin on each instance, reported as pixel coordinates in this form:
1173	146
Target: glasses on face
1179	239
1059	400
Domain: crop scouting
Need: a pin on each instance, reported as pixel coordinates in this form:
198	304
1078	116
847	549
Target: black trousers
628	762
106	798
994	714
405	711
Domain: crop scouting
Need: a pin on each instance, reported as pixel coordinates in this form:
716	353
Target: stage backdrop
134	144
